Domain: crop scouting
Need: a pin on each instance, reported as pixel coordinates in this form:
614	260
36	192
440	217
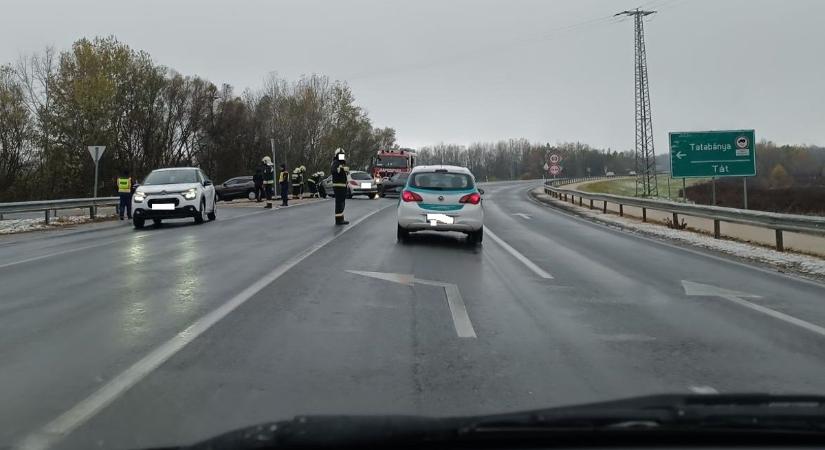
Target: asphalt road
128	339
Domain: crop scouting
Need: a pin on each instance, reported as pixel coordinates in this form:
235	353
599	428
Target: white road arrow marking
461	320
680	155
705	290
522	215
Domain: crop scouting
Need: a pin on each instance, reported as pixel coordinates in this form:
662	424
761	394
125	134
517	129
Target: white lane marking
458	310
530	265
707	390
79	414
778	315
523	215
699	289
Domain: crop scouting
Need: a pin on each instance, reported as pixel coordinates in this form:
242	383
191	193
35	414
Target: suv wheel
138	223
200	215
214	214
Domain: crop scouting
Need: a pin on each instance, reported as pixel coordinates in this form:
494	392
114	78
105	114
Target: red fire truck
389	162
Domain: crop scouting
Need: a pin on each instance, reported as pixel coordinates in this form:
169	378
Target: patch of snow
806	264
11	226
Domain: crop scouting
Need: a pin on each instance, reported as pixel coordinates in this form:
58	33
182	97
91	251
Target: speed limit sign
555	159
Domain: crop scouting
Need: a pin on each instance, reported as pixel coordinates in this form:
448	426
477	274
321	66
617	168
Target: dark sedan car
238	187
394	185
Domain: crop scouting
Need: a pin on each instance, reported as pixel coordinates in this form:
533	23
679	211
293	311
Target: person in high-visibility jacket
283	184
340	173
124	191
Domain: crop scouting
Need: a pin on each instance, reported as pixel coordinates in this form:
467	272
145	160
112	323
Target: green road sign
730	153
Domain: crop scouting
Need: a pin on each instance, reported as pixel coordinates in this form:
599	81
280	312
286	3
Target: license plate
435	219
366	185
163	206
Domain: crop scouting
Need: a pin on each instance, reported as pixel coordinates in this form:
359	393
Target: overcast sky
460	71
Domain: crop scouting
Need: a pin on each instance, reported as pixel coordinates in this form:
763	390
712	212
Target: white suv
174	194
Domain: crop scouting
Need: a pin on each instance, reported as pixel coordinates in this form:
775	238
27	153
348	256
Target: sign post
712	154
96	151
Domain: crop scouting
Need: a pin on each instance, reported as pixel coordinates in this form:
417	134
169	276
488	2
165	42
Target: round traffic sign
555	159
546	166
555	169
742	142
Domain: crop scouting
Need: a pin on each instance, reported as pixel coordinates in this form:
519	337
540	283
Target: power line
646	183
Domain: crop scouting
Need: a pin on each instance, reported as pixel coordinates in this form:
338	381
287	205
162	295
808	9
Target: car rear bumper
359	191
414	218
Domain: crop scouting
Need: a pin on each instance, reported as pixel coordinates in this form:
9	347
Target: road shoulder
803	266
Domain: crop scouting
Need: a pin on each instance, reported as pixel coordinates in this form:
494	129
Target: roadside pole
713	191
745	191
96	151
668	186
684	190
274	185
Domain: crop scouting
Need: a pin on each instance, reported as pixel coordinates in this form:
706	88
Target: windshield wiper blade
755	411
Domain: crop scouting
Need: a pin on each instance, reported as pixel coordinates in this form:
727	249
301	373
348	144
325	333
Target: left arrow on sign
680	155
461	320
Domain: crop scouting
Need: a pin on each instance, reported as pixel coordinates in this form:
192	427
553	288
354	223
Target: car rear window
360	176
171	177
441	181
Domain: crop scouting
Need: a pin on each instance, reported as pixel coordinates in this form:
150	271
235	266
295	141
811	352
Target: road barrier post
621	210
644	214
604	207
675	220
716	230
47	217
591	203
780	245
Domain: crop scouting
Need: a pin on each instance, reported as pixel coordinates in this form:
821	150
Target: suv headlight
140	196
190	194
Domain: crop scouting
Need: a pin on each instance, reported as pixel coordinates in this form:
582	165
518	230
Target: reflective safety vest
124	185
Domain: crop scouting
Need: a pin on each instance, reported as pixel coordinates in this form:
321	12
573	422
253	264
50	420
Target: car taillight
409	196
353	182
473	198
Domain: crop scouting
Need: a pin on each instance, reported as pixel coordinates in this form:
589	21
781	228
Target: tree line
102	92
521	159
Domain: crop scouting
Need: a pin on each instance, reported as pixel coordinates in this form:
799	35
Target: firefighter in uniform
312	185
124	191
339	172
296	183
269	176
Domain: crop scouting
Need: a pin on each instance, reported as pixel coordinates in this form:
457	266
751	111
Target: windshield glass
394	162
400	177
441	181
176	176
360	176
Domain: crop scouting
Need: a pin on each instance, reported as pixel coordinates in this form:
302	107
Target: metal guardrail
53	205
763	219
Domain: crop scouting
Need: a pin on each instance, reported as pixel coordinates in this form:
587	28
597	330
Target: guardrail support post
580	201
675	219
47	217
644	214
604	207
780	245
621	210
591	203
91	212
716	228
